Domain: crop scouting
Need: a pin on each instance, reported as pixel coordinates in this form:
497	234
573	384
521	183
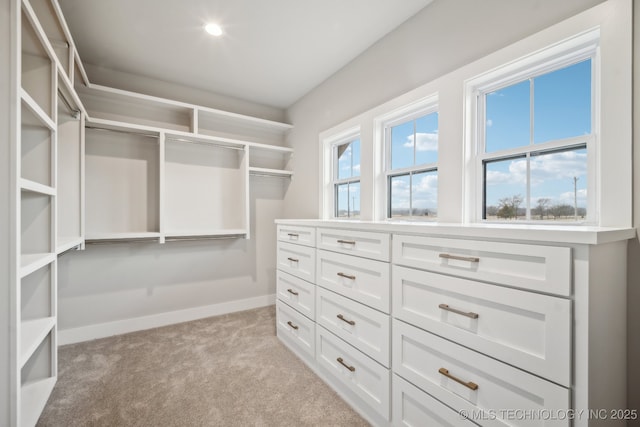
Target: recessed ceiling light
213	29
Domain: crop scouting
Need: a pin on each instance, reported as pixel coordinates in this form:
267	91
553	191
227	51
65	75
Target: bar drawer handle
291	291
293	259
445	372
460	258
347	242
341	361
292	325
470	314
347	276
341	317
292	234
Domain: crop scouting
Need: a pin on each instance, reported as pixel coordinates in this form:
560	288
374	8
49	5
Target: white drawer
297	260
363	280
527	330
540	268
297	293
356	371
365	328
413	407
296	234
424	359
296	330
361	243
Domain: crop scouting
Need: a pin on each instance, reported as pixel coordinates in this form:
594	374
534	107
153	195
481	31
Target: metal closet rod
147	135
131	240
217	144
212	237
74	113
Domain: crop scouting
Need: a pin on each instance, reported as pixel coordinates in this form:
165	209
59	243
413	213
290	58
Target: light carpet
227	370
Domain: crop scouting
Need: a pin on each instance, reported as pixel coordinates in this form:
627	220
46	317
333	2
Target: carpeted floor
228	370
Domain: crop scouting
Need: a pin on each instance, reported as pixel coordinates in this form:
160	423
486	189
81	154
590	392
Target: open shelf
67	243
118	105
35	187
32	332
205	188
37	68
34	396
36	147
277	173
33	262
54	31
121	183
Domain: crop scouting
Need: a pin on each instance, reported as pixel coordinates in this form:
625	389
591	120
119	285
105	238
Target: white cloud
425	141
544	168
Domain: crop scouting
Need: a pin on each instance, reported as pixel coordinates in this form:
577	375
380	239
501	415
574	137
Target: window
346	178
412	164
535	140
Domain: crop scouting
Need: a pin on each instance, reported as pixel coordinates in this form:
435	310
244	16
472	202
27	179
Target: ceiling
272	52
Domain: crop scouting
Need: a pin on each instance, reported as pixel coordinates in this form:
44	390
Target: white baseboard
102	330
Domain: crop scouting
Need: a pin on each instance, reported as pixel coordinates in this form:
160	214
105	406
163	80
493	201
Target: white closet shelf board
66	87
38	112
66	243
123	236
270	172
32	334
267	147
32	262
206	139
34	396
35	187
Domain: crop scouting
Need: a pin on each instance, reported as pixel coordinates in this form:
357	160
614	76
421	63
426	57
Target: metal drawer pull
351	322
460	258
292	234
291	291
340	361
347	242
292	259
347	276
292	325
445	372
470	314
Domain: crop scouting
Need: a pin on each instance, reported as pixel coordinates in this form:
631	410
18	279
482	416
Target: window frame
329	193
337	182
407	113
560	55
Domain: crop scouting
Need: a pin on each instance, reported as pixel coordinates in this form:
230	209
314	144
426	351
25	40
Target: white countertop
576	234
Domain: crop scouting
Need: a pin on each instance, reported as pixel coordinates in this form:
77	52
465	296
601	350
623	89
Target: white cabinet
527	321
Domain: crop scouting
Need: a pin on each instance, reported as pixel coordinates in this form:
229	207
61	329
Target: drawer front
527	330
363	280
297	293
360	243
295	234
413	407
297	260
356	371
295	329
436	365
540	268
365	328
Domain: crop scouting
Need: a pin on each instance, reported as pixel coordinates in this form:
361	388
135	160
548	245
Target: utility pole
575	197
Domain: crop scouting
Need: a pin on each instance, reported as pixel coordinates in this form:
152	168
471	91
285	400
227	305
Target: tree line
511	208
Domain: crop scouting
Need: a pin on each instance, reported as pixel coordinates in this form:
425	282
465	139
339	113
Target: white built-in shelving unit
160	170
48	203
93	163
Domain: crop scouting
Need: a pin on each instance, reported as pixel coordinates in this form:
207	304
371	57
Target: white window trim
382	150
327	148
574	49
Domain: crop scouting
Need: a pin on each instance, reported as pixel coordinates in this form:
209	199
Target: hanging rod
216	144
196	238
147	135
131	240
267	175
74	113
